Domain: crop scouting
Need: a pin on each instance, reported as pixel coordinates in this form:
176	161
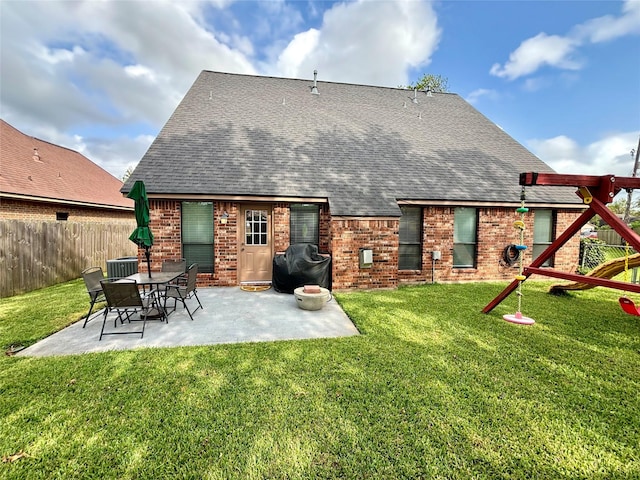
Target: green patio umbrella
142	235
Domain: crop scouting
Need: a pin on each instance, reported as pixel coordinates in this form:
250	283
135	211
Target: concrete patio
230	315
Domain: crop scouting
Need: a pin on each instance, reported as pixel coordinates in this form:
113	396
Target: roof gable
363	148
37	169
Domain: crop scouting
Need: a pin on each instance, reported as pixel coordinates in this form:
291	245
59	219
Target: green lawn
432	389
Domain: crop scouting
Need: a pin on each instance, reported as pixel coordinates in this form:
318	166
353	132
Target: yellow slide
605	270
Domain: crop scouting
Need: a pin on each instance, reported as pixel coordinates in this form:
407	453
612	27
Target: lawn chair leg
196	295
104	320
184	302
93	302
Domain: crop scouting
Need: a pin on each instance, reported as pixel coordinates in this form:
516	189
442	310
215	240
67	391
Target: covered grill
301	265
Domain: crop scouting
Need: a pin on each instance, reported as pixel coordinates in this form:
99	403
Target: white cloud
105	65
476	95
54	56
610	154
608	27
302	45
537	52
365	42
560	51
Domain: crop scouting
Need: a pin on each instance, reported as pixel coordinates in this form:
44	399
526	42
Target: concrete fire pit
311	300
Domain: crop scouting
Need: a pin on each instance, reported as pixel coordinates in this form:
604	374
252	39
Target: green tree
618	206
128	173
429	81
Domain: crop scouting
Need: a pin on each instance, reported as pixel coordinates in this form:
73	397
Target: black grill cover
301	265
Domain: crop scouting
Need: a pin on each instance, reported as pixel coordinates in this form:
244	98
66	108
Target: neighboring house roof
362	148
33	169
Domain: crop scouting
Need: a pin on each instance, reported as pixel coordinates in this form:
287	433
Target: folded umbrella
142	235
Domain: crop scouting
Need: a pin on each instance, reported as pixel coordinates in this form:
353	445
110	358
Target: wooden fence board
39	254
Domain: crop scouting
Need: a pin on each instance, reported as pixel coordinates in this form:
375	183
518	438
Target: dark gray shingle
362	147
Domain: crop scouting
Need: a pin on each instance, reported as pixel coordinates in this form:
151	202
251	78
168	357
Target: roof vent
36	155
429	94
314	89
415	95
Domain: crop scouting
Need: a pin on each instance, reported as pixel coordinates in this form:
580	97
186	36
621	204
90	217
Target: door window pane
255	227
197	234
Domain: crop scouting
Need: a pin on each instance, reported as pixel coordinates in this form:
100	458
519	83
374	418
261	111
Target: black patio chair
182	292
92	277
123	297
174	265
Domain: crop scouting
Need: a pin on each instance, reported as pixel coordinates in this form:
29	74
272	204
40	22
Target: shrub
590	254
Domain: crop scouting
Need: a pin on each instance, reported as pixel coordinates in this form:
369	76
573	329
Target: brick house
43	181
248	165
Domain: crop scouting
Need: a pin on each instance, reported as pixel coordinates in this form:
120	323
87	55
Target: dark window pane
304	224
543	227
197	222
410	237
409	257
464	255
465	222
200	254
410	224
197	234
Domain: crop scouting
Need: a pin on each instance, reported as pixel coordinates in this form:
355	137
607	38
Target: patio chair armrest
181	280
150	294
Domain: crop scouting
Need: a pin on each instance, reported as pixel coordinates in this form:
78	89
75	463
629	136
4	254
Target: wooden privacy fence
611	237
39	254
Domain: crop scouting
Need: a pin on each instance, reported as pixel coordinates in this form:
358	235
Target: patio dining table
156	279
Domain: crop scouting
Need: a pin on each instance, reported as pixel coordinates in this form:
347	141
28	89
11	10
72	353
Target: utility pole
627	208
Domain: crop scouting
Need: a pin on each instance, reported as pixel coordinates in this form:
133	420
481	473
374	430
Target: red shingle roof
34	168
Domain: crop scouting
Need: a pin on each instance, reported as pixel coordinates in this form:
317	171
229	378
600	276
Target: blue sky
561	77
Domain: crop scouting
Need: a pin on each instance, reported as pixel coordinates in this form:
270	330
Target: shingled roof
362	148
38	170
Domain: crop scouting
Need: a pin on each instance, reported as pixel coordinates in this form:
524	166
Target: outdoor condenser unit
122	267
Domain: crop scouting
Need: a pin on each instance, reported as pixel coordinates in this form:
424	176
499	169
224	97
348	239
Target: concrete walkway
230	315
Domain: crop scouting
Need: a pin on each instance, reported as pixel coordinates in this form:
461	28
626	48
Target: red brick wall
29	210
164	222
343	237
568	257
225	245
281	219
495	232
325	230
348	236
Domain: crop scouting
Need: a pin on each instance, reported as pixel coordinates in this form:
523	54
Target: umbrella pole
148	255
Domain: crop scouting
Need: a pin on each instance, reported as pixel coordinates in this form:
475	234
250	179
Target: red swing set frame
596	192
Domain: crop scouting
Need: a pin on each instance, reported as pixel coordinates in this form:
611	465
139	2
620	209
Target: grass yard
432	389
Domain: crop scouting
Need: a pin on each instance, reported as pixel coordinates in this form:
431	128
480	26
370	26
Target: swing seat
629	307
